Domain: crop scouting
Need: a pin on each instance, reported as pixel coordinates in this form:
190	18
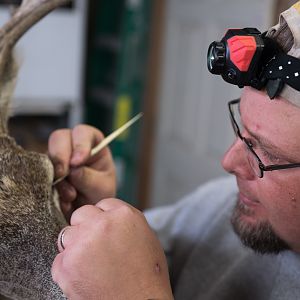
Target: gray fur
30	218
29	223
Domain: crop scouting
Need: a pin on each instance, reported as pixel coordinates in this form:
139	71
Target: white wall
193	128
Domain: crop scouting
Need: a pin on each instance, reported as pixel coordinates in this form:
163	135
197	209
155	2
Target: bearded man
207	260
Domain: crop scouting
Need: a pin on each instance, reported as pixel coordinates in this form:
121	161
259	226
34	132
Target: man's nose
235	161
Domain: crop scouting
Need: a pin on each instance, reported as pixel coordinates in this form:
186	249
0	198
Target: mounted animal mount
30	218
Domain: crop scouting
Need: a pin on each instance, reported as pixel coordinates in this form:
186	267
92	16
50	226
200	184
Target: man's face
267	214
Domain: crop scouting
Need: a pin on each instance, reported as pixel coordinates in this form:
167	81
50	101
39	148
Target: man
111	253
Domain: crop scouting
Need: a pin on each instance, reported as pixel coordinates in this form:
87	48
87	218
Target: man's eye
270	156
251	143
267	155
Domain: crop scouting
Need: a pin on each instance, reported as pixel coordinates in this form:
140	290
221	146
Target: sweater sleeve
182	225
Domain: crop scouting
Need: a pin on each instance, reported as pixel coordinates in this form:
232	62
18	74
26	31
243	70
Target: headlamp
246	57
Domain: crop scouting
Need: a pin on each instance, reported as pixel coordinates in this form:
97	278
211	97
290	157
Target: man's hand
91	178
110	252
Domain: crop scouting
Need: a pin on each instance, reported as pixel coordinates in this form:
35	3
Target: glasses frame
249	145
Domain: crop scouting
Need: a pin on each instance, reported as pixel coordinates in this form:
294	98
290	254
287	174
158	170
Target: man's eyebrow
261	140
265	142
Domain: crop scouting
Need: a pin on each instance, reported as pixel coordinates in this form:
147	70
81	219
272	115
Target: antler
29	13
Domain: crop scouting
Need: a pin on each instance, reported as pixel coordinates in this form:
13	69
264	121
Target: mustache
259	237
245	191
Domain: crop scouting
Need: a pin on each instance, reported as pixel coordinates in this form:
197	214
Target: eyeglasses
255	162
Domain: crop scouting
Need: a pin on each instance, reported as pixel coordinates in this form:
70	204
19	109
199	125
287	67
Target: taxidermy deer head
30	218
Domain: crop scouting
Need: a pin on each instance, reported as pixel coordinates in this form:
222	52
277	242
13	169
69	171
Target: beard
260	237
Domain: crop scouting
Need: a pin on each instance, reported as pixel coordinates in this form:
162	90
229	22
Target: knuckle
63	272
132	214
83	128
84	210
104	201
102	225
127	211
58	134
69	262
80	127
140	214
54	274
101	135
82	213
56	268
55	145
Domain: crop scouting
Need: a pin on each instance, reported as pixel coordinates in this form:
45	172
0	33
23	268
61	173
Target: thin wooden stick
106	141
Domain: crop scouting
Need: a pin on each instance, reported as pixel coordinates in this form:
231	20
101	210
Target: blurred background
102	61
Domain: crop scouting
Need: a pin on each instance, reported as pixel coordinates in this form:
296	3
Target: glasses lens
235	118
253	161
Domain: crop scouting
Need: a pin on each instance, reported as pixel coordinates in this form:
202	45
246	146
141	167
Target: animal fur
30	218
29	223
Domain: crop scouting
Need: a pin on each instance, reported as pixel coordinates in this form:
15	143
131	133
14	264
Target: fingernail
77	156
68	188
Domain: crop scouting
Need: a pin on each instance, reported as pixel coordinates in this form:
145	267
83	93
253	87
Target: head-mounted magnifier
246	57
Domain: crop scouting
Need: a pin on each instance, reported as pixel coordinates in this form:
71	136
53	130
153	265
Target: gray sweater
207	260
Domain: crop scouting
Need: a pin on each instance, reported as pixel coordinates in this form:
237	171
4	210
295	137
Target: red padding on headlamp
242	50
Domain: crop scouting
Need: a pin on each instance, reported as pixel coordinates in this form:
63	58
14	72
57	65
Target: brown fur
30	218
29	223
